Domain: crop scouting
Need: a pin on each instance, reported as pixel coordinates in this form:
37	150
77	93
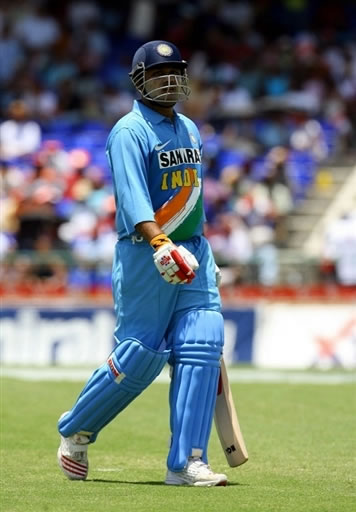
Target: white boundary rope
242	375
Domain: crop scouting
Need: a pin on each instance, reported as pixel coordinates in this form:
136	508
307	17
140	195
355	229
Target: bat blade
227	424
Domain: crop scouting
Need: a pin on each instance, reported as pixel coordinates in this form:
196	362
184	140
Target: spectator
41	101
20	135
339	251
11	54
272	106
37	29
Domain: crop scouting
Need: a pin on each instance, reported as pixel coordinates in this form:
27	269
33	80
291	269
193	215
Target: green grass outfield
301	440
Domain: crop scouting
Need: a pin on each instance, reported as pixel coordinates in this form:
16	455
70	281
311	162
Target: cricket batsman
167	304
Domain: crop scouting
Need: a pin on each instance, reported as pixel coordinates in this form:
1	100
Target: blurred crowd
274	96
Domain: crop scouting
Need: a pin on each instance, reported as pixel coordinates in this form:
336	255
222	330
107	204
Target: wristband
159	240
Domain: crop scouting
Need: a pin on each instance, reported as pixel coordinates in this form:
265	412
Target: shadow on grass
135	482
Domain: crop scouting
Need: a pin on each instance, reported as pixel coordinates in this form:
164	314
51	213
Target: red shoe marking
71	472
79	465
73	467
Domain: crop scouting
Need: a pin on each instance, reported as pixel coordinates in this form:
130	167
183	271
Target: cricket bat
227	424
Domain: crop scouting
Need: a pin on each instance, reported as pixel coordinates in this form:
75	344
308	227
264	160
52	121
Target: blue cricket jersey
157	172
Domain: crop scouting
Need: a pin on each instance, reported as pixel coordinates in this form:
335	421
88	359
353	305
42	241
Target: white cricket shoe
196	473
72	456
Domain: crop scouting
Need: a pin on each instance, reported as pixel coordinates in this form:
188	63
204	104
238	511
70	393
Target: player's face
165	85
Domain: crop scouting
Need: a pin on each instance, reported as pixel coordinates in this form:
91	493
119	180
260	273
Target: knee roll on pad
130	368
196	357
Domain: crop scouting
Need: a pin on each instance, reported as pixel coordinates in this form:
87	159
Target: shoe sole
221	483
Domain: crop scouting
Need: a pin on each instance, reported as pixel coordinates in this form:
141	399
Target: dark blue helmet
157	53
165	89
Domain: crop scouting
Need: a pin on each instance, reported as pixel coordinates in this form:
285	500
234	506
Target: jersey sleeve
128	156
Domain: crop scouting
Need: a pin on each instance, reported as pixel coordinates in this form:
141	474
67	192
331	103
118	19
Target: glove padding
175	264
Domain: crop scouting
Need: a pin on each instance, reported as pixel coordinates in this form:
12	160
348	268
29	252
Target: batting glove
175	263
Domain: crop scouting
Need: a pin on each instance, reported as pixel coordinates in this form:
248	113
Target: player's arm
175	263
148	230
127	156
127	153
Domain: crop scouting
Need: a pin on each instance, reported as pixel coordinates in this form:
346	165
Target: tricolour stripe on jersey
177	220
173	212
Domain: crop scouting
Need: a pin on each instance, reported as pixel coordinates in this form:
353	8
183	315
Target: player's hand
175	263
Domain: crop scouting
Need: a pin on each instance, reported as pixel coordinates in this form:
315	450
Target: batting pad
198	344
130	368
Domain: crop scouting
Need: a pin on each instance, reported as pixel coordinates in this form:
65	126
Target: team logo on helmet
164	50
